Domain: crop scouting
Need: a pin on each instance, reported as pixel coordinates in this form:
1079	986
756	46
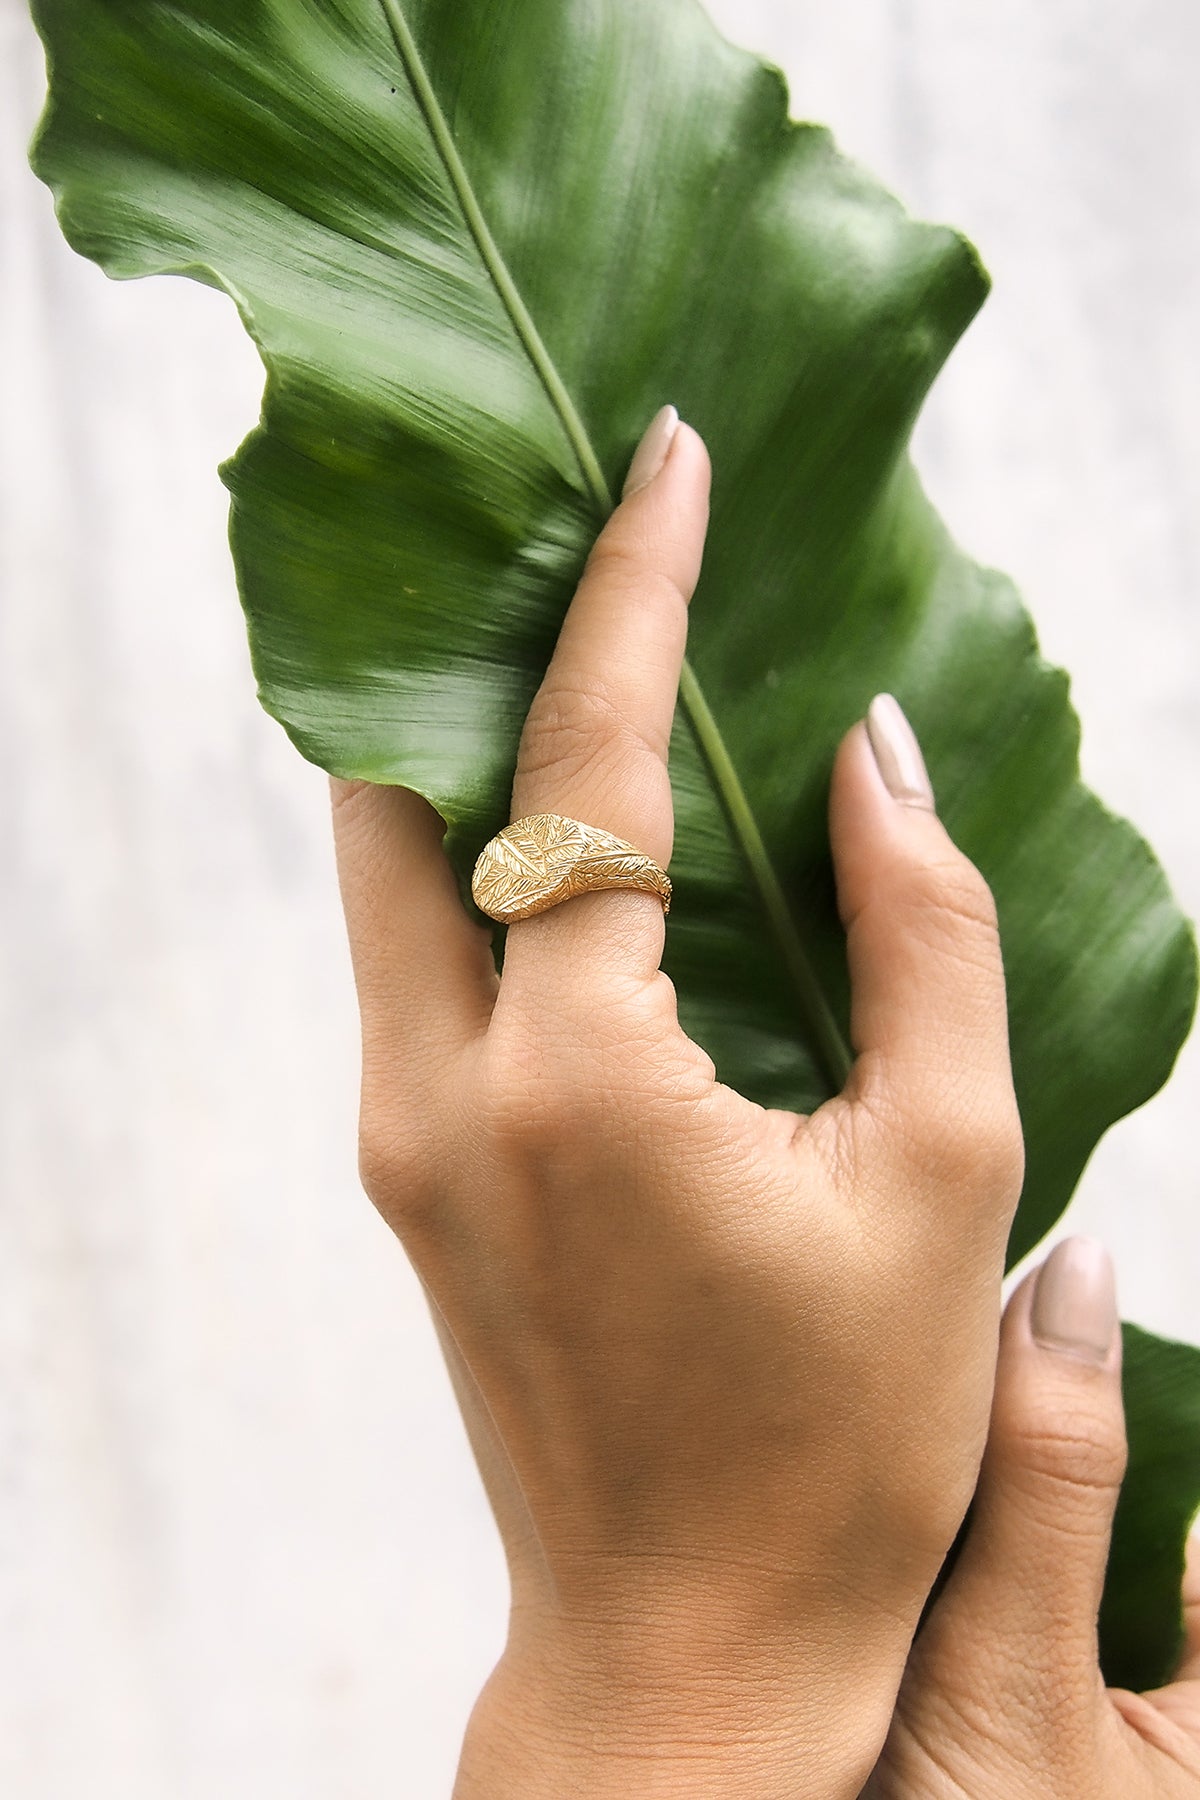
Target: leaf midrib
826	1036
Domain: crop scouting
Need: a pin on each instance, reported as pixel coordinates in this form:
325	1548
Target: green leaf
478	243
1141	1630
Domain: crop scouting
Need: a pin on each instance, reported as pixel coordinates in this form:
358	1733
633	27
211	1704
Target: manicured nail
1075	1300
651	453
898	753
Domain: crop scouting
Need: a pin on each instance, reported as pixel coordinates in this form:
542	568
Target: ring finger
595	743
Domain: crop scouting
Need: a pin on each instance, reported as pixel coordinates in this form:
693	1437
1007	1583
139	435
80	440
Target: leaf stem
833	1053
828	1042
518	312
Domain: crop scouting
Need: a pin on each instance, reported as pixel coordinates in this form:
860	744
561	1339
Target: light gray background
242	1548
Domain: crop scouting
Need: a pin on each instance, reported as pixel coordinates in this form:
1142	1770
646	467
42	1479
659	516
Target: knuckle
623	561
955	895
991	1156
980	1154
397	1171
1007	1160
529	1099
588	1074
570	725
616	558
1071	1448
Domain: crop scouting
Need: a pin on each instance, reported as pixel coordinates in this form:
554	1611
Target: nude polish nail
651	453
1075	1300
898	753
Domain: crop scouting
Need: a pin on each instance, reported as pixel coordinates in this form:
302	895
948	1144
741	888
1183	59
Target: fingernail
651	453
1075	1300
898	753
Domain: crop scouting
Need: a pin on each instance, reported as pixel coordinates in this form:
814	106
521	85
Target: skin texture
1003	1697
726	1371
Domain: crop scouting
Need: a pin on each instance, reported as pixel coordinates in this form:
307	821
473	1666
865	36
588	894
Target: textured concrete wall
242	1548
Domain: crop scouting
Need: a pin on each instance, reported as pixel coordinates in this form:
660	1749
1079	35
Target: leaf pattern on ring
539	861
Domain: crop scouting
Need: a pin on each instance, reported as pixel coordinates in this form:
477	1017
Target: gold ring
542	860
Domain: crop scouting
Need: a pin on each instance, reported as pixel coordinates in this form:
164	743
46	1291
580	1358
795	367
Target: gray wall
242	1548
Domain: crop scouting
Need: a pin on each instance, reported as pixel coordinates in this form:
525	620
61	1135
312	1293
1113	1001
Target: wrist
719	1718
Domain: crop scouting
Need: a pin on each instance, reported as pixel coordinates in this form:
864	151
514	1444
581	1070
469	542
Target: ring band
540	861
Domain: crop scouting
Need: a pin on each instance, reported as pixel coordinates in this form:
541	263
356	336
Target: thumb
1034	1560
928	1016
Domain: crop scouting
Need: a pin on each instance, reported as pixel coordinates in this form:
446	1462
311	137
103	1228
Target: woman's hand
726	1371
1003	1697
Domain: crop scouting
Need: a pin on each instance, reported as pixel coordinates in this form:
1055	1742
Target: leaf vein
827	1039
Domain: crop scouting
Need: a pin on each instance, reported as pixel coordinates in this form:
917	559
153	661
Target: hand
1003	1697
726	1370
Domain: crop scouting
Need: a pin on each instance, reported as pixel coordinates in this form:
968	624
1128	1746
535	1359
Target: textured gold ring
542	860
